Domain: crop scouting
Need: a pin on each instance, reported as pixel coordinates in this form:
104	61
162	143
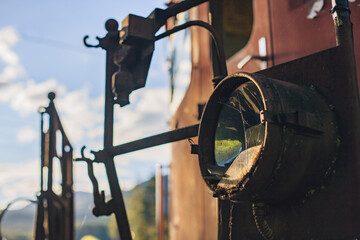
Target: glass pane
239	126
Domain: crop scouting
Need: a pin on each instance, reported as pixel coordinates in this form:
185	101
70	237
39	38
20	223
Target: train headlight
239	126
265	139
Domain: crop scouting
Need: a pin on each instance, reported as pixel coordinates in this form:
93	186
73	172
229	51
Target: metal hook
82	151
83	158
89	45
101	207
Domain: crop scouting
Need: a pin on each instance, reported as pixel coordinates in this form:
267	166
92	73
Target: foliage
227	149
140	205
141	211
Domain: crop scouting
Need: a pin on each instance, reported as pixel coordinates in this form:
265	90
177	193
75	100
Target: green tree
141	211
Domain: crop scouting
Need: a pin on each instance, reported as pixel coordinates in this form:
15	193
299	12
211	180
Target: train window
234	19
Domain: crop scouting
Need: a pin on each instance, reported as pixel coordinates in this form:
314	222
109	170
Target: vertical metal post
119	206
42	142
51	208
39	222
159	180
110	43
344	37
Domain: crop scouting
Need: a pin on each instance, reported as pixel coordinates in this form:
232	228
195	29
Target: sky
41	50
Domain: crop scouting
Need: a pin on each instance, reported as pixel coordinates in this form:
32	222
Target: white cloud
27	97
27	134
82	119
19	180
11	72
8	38
147	114
24	96
80	114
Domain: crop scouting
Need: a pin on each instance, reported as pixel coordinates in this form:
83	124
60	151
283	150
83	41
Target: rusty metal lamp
262	139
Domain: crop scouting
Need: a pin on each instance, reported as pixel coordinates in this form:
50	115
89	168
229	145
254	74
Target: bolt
51	96
111	25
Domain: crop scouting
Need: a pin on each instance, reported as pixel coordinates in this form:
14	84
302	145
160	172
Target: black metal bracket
152	141
101	207
111	37
128	56
300	119
341	8
132	47
90	45
218	73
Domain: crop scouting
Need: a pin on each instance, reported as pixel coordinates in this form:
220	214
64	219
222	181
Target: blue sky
41	50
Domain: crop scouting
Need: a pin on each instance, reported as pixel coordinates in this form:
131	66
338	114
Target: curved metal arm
215	36
90	45
90	171
101	207
2	213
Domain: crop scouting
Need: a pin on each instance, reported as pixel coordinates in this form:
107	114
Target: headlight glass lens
239	126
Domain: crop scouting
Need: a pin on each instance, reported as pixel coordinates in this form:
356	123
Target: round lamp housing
262	139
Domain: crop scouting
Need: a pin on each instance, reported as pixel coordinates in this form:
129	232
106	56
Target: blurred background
41	50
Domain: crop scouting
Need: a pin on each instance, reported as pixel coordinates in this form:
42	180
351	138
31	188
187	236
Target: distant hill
140	203
19	224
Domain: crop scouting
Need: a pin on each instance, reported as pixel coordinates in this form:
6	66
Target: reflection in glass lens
239	125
